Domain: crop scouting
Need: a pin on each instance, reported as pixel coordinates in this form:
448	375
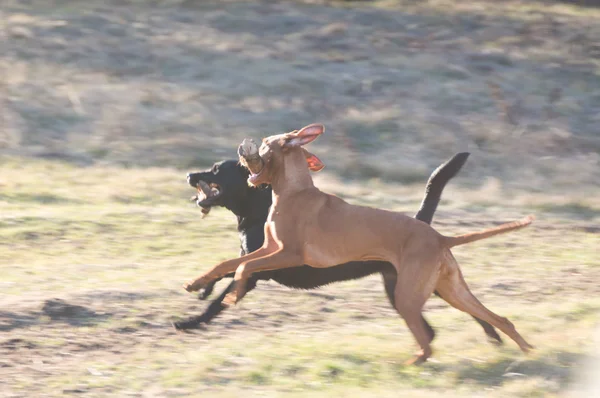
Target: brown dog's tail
451	241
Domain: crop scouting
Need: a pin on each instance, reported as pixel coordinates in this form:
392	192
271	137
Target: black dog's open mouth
207	195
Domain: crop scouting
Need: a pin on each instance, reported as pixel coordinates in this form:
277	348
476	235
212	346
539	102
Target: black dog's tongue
197	199
204	192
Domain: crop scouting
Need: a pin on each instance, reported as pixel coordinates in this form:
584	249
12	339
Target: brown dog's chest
285	228
275	219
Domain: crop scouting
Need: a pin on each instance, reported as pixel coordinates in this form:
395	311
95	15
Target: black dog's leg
389	282
213	310
207	291
493	336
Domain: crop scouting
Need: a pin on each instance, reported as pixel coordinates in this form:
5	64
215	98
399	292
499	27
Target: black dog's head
224	184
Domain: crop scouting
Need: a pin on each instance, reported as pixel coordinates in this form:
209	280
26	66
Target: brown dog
307	226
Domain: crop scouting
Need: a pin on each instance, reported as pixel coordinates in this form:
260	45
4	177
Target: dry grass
180	83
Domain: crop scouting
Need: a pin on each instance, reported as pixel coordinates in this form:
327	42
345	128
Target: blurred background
106	105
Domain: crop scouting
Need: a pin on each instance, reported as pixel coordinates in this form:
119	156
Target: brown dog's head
262	161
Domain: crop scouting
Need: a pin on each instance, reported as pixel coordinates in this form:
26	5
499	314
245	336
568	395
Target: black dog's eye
215	169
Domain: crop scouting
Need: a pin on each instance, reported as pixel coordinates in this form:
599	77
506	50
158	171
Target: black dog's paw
206	292
189	324
203	296
496	340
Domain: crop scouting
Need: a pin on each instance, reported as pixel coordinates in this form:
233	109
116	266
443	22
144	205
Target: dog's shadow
560	367
55	311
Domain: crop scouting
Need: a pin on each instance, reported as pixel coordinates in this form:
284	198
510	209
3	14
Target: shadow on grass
59	311
558	367
14	320
56	310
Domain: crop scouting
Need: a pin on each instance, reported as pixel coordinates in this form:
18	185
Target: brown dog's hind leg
453	288
409	306
389	282
417	277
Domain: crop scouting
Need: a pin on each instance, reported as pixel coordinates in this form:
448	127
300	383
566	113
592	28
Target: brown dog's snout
248	153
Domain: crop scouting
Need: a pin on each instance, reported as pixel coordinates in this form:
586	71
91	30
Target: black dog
228	181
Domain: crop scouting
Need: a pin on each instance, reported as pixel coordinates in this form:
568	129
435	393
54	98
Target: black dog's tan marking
251	206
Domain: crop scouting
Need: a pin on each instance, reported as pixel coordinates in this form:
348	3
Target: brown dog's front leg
277	260
229	266
223	269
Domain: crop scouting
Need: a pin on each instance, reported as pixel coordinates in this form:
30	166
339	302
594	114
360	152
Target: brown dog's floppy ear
314	163
305	136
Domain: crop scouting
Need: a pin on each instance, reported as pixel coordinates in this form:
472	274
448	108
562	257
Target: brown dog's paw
230	299
419	358
194	286
527	348
201	282
416	361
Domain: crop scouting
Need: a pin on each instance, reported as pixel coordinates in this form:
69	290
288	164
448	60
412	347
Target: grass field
115	245
104	106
